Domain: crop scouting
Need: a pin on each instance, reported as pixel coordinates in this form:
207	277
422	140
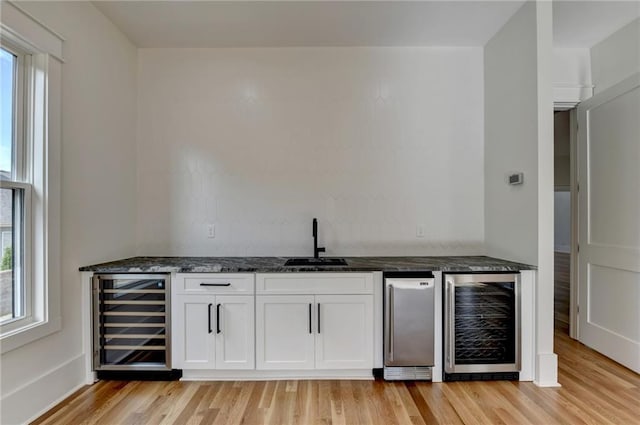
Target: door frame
573	189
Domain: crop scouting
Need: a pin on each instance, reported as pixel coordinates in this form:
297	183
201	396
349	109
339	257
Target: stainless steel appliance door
409	322
489	329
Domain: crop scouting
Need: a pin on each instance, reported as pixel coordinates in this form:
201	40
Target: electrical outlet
211	230
420	231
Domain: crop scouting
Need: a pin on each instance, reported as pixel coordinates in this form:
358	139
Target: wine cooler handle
451	322
391	322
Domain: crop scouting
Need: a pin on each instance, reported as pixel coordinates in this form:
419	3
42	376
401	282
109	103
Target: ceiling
351	23
308	23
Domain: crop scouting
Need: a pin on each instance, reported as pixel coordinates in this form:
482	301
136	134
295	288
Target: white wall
571	67
572	80
519	137
616	57
98	194
372	141
511	139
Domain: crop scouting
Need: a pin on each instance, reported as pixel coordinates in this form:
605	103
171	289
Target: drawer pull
215	284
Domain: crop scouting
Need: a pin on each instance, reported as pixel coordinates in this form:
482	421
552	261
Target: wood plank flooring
595	390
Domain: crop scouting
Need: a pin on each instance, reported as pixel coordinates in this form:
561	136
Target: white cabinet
284	332
213	325
331	329
235	332
213	332
344	338
307	322
193	339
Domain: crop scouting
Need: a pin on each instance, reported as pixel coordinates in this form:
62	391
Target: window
15	191
30	83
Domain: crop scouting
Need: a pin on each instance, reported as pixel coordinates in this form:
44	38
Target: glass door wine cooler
481	326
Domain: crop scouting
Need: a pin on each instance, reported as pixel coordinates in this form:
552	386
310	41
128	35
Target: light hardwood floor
595	390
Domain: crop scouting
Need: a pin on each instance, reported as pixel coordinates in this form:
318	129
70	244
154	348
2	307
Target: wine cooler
482	326
131	323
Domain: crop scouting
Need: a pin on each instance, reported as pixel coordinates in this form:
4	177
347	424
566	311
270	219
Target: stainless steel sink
316	262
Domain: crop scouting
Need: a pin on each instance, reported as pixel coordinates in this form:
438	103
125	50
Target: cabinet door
234	332
193	332
344	338
284	332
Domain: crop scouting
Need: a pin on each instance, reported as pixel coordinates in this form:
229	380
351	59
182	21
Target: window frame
20	180
39	173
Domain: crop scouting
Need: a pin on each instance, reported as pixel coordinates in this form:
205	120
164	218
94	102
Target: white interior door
609	222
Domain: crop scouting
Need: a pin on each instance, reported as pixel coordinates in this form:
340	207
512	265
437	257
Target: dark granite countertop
276	265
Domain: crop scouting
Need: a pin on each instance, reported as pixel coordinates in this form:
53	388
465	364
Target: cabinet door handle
310	307
209	314
215	284
318	317
218	318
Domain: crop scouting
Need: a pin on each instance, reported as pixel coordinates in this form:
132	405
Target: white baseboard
31	400
547	370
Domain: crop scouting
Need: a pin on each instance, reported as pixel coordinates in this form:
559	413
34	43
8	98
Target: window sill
28	333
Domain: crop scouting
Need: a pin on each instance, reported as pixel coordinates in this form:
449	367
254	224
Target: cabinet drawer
209	283
314	283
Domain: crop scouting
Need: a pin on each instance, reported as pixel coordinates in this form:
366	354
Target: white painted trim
378	360
38	21
546	367
527	324
31	31
264	375
546	371
36	391
436	371
573	248
567	96
87	328
44	140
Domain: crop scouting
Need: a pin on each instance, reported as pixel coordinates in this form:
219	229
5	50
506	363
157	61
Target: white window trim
21	31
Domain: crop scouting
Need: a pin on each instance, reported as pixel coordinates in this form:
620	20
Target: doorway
562	220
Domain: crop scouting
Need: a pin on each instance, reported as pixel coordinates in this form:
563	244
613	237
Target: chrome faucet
316	250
